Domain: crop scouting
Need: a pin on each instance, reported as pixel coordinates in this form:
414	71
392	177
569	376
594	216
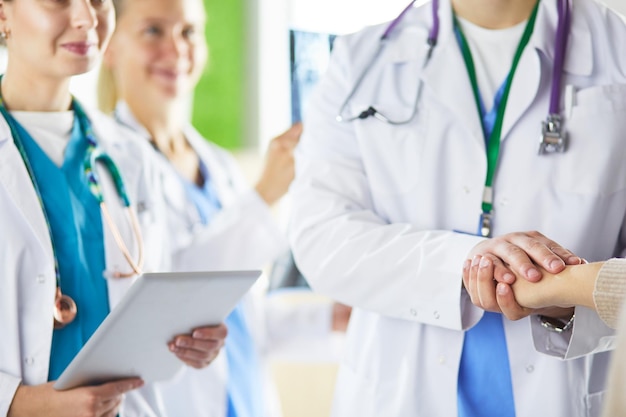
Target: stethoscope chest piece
553	136
64	310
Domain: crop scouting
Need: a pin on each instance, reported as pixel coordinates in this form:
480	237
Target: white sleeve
345	248
588	335
242	236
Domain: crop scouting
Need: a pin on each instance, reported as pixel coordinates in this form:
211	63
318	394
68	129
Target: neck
23	92
163	123
494	14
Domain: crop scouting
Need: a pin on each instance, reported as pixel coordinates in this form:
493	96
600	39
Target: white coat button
442	360
504	201
413	312
29	361
436	315
41	278
466	189
530	368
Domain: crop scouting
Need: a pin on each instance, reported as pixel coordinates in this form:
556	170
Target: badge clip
484	226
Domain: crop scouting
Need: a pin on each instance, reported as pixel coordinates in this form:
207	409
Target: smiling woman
51	40
155	58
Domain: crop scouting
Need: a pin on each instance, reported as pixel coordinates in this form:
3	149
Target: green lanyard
493	142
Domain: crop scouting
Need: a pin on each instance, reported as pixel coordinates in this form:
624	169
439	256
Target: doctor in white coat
151	66
384	215
47	43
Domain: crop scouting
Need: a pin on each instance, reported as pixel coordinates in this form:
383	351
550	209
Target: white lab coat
27	276
245	220
375	206
243	235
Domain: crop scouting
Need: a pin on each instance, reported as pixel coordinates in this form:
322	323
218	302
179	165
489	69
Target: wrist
266	194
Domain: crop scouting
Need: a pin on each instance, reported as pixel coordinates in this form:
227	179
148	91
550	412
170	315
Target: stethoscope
553	135
65	308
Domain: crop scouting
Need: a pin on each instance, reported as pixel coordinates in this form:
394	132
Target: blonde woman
150	69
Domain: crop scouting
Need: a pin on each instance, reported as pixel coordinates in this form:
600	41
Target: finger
110	407
473	281
501	272
218	332
111	390
183	343
541	250
196	360
566	255
295	131
513	253
289	138
486	285
508	305
113	411
201	354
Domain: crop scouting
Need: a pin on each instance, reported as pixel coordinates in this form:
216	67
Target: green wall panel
218	107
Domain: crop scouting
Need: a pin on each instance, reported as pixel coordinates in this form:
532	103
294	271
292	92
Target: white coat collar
210	155
173	192
577	62
125	117
407	45
414	28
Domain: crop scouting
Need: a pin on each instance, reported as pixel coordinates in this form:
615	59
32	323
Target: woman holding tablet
77	203
154	61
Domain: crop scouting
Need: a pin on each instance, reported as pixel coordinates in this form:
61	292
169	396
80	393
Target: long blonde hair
107	88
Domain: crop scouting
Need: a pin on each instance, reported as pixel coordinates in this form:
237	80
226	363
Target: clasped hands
511	274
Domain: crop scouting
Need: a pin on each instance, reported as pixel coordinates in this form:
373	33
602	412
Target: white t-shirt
51	131
492	52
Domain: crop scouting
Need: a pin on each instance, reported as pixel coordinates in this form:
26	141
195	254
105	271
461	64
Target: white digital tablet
132	340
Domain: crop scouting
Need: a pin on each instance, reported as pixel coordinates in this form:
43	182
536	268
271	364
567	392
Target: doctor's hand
279	170
201	347
523	254
93	401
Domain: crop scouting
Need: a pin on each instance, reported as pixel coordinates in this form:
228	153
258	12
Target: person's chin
168	90
79	68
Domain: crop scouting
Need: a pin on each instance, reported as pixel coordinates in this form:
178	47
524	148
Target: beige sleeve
615	400
610	290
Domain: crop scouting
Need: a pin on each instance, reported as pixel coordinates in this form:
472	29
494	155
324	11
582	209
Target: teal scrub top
76	227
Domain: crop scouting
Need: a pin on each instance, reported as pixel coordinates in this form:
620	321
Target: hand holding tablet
135	340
